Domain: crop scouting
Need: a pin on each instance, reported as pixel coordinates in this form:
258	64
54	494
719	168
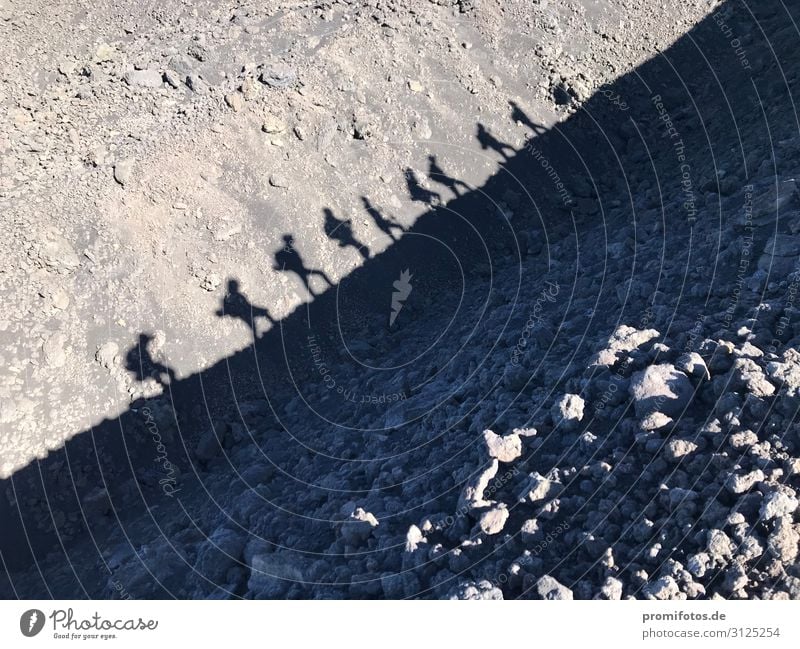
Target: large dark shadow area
378	389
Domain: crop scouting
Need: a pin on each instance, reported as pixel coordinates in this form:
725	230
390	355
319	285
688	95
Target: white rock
549	588
567	412
482	589
655	421
414	538
273	125
739	483
53	350
505	448
123	171
693	364
660	388
777	504
472	493
611	589
104	52
664	588
719	545
539	489
783	541
698	564
144	78
530	530
623	340
106	354
359	527
677	449
493	520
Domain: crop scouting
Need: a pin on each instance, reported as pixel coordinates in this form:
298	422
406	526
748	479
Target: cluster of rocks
686	488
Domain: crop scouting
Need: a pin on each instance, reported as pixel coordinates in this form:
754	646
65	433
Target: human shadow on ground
140	361
385	224
417	190
236	305
288	259
341	231
438	175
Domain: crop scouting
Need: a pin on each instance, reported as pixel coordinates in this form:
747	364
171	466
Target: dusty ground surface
90	261
272	272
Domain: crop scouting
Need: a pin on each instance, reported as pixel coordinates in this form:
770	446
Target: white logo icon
31	622
402	289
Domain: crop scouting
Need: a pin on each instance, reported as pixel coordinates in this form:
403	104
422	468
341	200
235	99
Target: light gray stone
660	388
539	489
777	504
549	588
567	412
143	78
493	520
506	448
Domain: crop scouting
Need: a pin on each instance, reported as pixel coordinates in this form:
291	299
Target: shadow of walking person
439	176
385	225
519	115
288	259
141	362
342	232
420	193
489	141
236	305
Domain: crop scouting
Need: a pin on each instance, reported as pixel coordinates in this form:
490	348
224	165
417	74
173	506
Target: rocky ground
455	299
